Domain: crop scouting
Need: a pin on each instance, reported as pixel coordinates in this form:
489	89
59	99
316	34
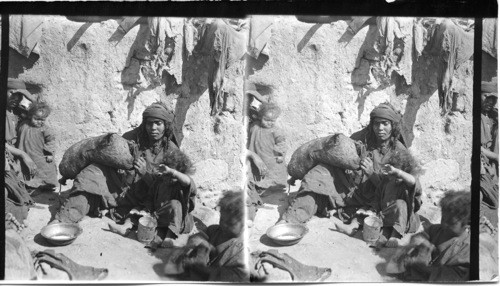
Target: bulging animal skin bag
110	150
339	151
335	150
301	161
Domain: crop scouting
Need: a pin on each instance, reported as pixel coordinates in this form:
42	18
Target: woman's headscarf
385	111
156	110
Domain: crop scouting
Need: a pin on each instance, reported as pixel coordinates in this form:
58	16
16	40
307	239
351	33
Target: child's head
232	212
268	113
178	160
455	211
38	113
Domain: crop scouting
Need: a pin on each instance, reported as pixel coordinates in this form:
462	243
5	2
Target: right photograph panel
359	148
488	225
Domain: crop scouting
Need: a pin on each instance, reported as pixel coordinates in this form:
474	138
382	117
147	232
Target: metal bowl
61	233
287	233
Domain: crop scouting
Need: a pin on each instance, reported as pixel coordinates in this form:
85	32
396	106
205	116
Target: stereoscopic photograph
262	149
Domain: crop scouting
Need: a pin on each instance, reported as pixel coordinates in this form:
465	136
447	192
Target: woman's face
155	128
488	102
382	129
13	99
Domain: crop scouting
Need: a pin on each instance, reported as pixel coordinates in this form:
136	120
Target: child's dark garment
268	144
38	143
173	203
228	258
451	262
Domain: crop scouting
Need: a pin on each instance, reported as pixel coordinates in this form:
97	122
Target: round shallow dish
287	233
61	233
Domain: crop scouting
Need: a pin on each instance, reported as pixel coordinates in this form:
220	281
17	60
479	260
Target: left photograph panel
123	149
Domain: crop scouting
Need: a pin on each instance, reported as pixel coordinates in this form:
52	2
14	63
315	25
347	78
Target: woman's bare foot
54	221
349	229
122	230
281	221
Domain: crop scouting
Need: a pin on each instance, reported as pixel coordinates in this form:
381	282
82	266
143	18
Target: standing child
267	142
38	141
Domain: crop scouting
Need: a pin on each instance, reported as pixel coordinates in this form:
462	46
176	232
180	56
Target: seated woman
451	260
326	187
170	198
152	140
218	254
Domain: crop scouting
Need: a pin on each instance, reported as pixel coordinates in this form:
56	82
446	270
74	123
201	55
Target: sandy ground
350	258
125	258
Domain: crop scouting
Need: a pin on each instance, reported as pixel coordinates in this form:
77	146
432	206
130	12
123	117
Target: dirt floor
350	258
125	258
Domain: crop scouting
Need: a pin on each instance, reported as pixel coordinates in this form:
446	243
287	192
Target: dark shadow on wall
253	64
19	63
424	73
360	76
307	37
79	33
194	84
488	67
131	73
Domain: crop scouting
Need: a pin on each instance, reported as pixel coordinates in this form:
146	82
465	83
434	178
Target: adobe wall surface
310	75
84	71
87	74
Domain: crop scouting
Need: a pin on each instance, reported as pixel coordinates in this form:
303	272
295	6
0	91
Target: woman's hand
367	166
177	176
140	166
400	175
165	170
390	170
